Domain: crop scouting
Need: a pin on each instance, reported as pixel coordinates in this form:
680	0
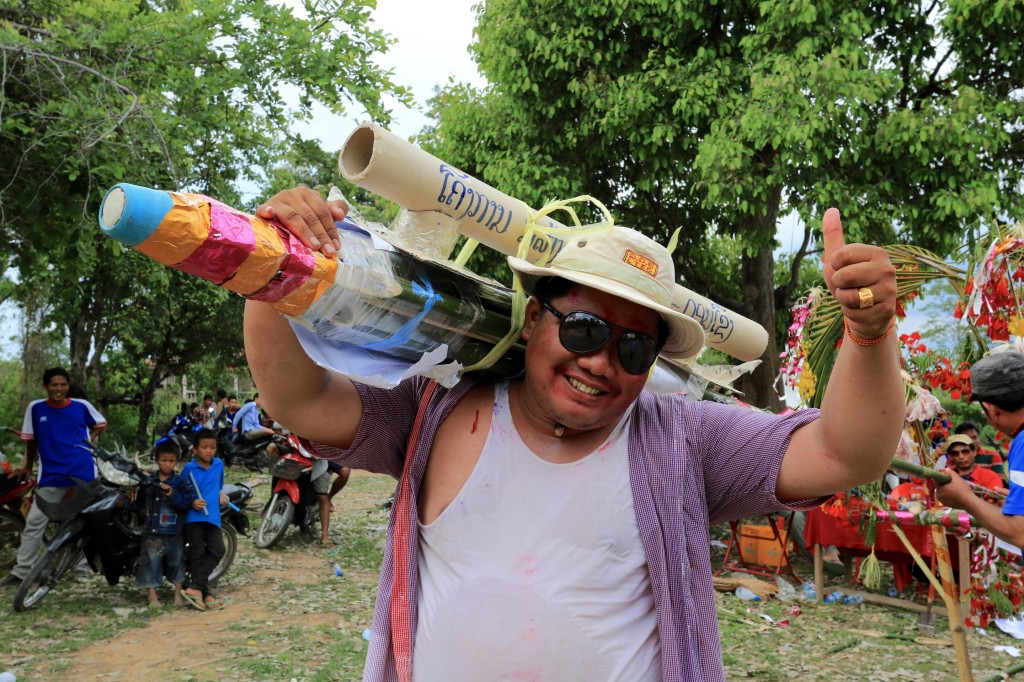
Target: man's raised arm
306	398
862	413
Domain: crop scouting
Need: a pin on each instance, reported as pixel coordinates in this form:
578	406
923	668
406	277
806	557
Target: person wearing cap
960	453
997	384
984	457
555	525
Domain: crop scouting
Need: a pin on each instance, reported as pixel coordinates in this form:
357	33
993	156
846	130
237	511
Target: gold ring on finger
867	299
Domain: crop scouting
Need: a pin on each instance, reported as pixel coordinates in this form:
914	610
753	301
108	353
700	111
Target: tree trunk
35	356
148	389
757	272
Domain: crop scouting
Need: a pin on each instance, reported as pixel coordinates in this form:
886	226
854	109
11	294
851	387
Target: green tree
307	164
174	94
725	117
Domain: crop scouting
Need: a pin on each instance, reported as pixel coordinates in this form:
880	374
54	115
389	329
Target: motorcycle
15	499
97	524
233	520
292	500
180	432
251	454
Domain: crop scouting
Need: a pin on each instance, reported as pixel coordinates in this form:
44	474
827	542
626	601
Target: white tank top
535	571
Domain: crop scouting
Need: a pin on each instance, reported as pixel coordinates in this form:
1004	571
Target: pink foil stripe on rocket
229	243
295	270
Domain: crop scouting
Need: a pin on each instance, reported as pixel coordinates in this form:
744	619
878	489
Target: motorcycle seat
237	491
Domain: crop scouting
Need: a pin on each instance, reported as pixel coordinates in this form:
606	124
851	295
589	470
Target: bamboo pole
819	573
1011	671
964	554
953	615
951	602
939	477
883	600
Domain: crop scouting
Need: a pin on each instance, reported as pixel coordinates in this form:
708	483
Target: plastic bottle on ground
892	592
853	599
8	676
337	569
786	592
834	598
744	593
809	592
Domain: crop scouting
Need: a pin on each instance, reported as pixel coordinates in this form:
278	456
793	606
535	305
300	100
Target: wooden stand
965	585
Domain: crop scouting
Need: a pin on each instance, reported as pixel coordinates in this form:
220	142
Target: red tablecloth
822	529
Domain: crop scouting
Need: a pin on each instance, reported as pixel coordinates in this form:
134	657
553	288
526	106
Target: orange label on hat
641	262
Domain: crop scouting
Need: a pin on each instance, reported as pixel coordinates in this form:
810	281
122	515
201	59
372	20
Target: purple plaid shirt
691	464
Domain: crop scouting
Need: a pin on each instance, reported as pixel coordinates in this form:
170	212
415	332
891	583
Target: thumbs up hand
862	279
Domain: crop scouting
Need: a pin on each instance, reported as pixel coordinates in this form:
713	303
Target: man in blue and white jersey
55	431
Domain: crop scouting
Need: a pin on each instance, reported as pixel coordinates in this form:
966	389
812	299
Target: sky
432	45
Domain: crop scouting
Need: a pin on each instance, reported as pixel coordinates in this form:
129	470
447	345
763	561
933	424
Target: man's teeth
583	387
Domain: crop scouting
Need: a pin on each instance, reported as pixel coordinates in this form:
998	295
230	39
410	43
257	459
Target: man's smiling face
57	389
582	391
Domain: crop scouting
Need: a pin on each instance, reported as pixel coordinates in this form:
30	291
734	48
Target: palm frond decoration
824	326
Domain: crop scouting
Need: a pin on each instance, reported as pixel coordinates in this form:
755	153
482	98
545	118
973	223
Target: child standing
166	501
202	525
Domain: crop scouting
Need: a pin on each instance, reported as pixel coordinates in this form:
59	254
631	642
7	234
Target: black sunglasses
583	332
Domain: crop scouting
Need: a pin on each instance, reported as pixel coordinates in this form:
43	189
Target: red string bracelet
869	342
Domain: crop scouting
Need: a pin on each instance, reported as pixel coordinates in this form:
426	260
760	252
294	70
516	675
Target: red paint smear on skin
476	420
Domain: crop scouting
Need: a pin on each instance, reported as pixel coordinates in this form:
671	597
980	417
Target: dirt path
288	617
280	604
207	637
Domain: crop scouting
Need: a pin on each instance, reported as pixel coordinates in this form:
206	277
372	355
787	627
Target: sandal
213	603
193	600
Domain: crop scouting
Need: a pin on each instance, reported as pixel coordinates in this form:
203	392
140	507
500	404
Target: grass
308	625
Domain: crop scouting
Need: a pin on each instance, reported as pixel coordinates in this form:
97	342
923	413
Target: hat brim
685	335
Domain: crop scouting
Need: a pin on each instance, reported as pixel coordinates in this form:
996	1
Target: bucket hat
624	263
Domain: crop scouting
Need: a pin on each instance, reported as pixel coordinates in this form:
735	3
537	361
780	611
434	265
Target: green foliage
307	164
723	117
177	95
11	411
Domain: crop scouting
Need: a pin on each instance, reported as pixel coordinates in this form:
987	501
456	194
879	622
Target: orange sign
641	262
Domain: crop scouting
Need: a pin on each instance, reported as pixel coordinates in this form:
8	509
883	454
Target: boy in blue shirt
166	503
202	524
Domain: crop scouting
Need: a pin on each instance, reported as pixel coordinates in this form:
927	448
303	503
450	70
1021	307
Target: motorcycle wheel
311	524
275	521
11	525
45	574
230	547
